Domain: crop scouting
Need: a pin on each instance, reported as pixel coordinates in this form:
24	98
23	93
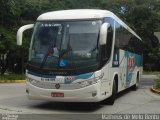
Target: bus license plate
57	94
53	80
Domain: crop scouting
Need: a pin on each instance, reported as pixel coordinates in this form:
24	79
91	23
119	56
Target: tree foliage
141	15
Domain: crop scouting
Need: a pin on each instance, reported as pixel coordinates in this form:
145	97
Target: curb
150	76
12	81
154	90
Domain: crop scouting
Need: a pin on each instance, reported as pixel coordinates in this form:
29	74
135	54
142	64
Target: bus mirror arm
103	33
20	32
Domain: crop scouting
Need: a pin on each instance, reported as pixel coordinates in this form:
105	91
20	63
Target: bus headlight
90	81
85	83
32	81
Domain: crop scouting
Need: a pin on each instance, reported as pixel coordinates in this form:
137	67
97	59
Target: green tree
143	16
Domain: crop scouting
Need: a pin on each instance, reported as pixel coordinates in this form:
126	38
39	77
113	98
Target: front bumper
87	94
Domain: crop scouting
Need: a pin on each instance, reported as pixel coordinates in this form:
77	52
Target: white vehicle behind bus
81	55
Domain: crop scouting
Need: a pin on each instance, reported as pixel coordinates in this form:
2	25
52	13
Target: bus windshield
65	45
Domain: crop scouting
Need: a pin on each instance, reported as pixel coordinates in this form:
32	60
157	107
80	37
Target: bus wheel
135	86
111	99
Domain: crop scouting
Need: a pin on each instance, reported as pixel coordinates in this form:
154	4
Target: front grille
49	85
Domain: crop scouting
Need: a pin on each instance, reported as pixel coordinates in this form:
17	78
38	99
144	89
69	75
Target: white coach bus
81	56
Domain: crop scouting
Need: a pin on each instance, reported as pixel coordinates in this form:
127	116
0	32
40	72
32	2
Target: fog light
94	93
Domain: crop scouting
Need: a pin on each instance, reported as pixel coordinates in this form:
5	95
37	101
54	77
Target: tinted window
127	41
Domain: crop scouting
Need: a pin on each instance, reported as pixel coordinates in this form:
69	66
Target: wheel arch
138	76
116	79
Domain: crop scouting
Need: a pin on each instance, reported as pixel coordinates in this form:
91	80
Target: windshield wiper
69	50
45	58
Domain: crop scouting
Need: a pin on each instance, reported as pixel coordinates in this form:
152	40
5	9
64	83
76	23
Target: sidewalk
150	76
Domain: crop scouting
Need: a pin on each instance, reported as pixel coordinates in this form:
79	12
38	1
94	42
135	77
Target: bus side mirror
20	32
103	33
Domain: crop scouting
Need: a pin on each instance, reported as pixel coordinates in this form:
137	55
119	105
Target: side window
125	40
135	45
118	35
122	38
109	42
131	44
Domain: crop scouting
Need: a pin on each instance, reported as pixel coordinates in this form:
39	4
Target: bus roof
74	14
78	14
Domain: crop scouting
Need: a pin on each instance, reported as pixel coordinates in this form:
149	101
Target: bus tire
111	99
135	86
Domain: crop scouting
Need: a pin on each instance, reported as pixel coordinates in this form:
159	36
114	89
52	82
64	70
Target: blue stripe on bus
85	76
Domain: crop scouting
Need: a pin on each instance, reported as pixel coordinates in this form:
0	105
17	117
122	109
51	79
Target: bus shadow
69	106
124	92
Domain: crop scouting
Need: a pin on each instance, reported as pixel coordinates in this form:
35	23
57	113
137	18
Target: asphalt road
14	101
